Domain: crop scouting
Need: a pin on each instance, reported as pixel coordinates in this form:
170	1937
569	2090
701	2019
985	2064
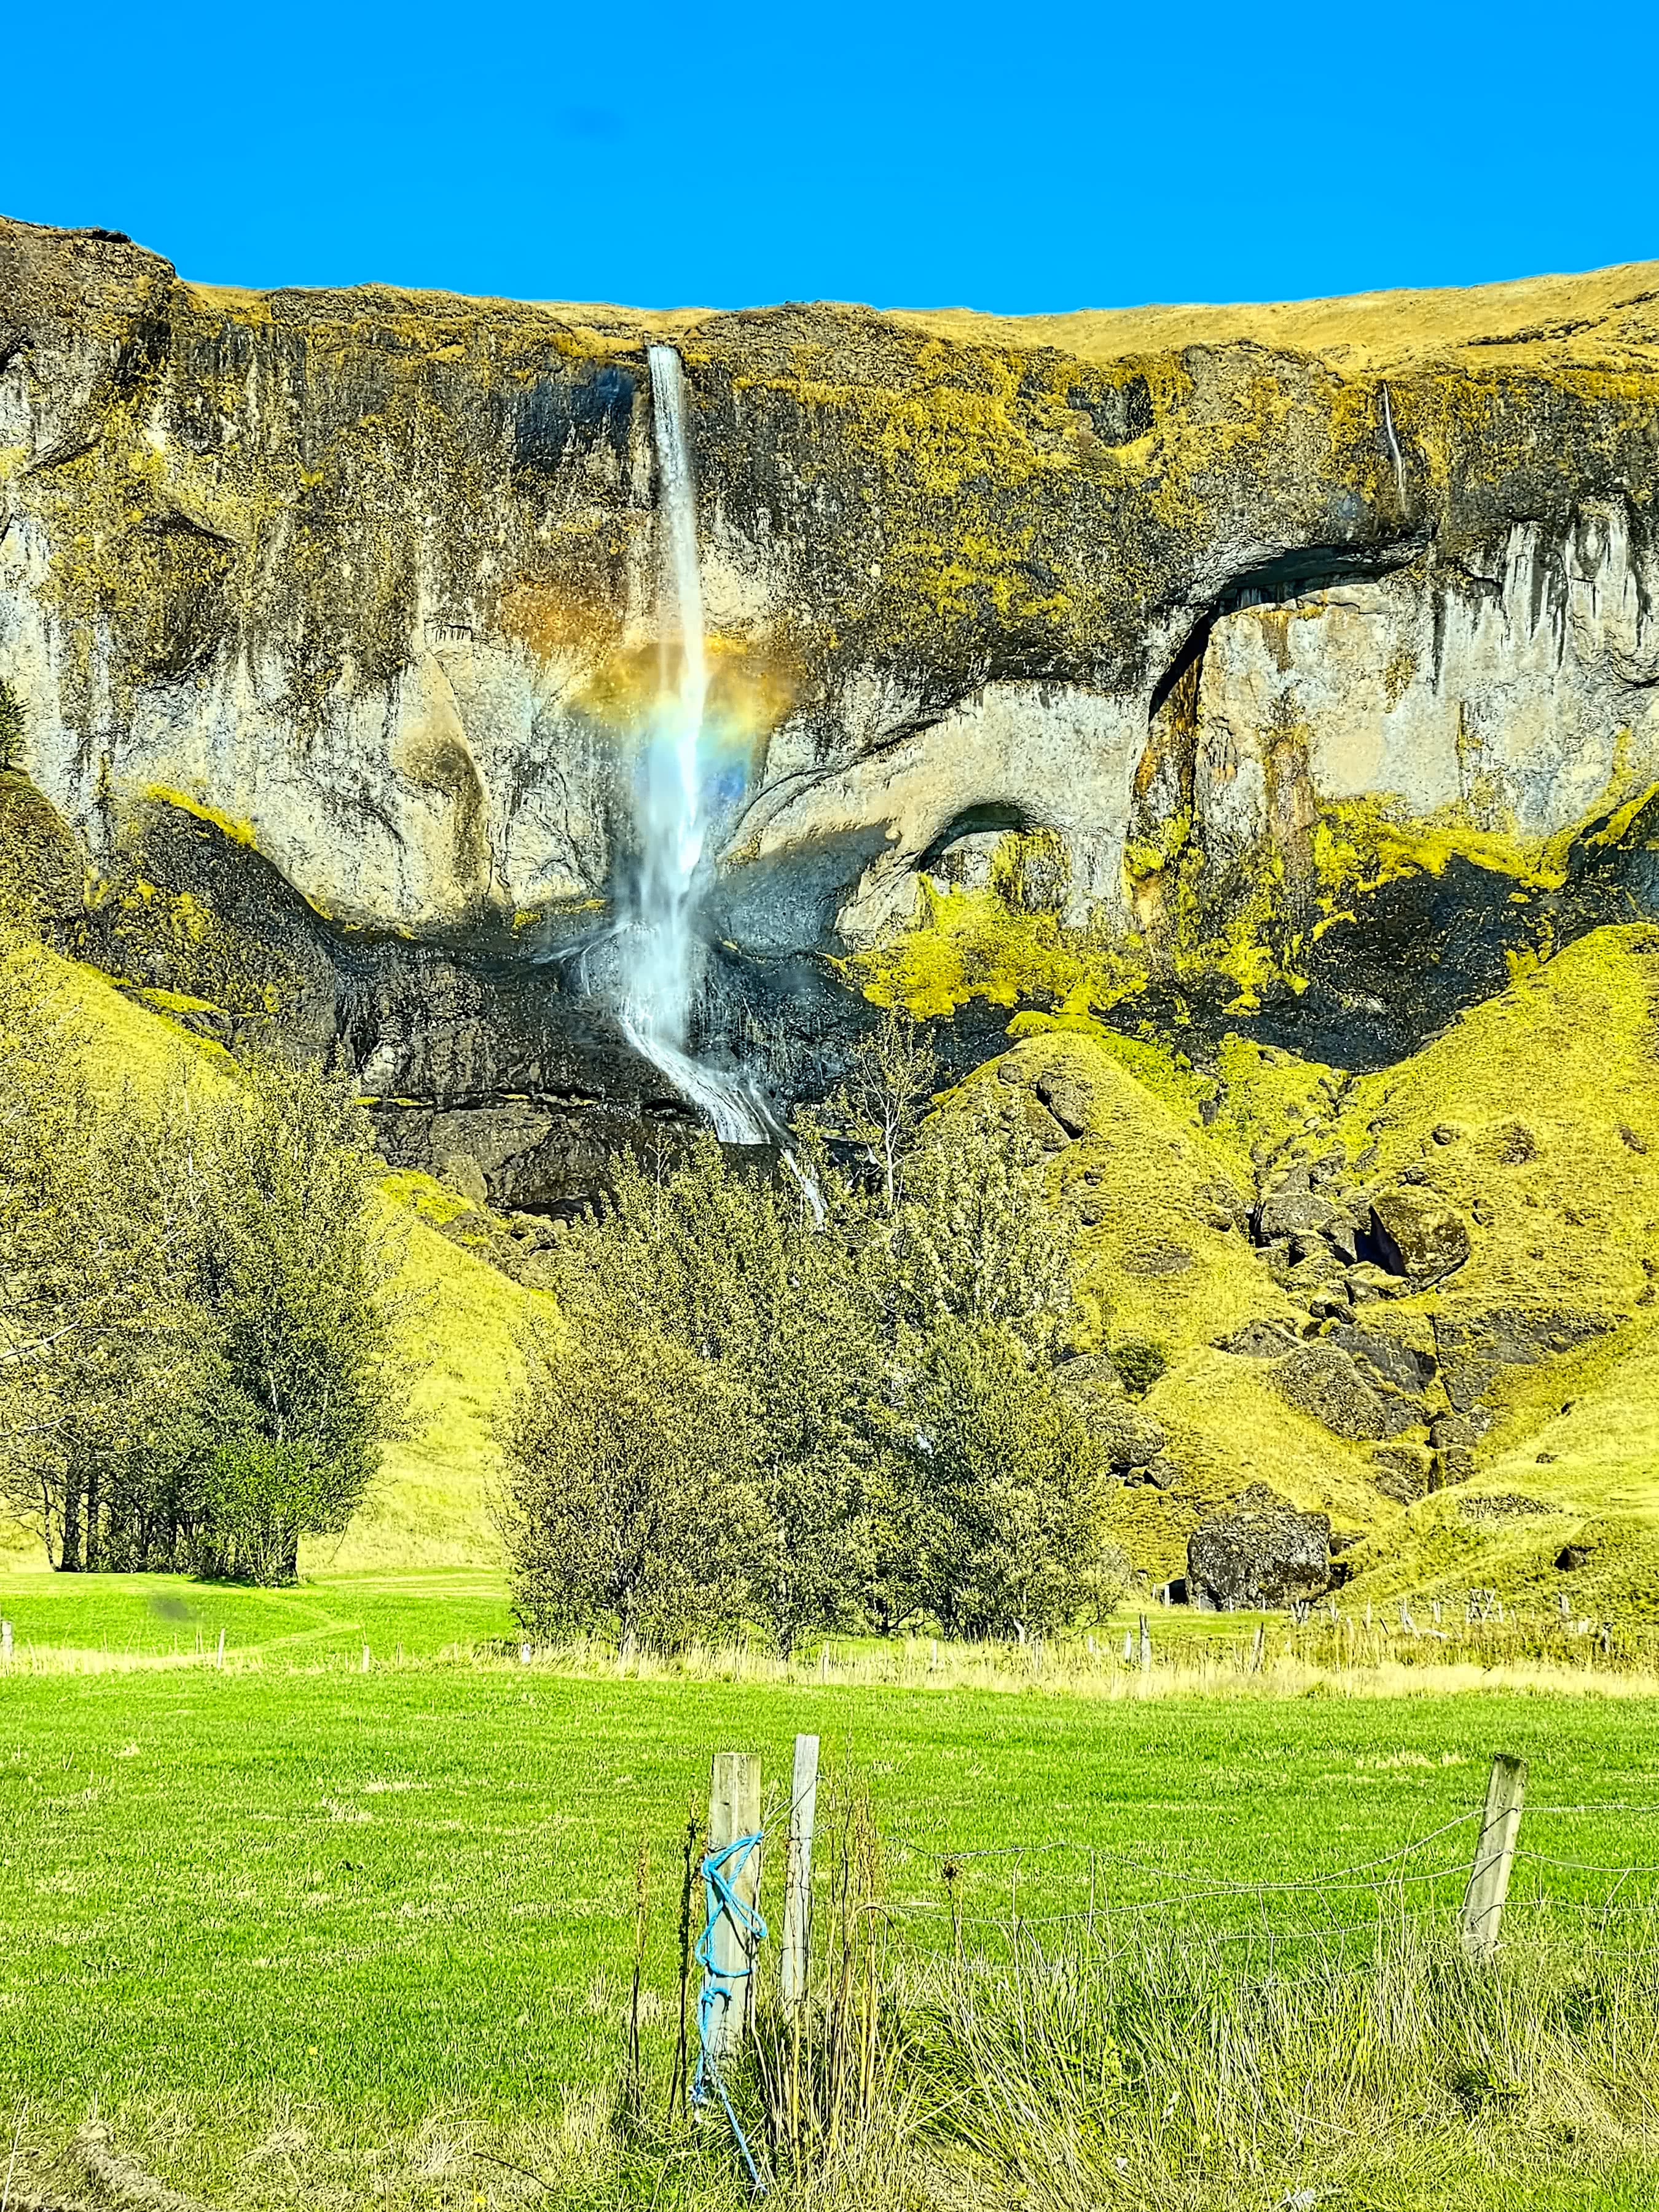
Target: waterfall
657	947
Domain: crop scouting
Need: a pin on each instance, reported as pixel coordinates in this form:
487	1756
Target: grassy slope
1154	1266
1565	1060
1561	1067
428	1508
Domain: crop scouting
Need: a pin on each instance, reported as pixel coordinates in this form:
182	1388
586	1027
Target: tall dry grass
1126	2064
1292	1663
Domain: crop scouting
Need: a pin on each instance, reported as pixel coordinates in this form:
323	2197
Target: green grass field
292	1904
417	1885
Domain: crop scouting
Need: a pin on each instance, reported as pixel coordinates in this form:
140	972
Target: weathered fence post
798	1875
1482	1917
1146	1646
220	1660
728	1984
365	1658
1258	1647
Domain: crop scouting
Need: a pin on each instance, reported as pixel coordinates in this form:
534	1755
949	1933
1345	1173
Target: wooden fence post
219	1661
1145	1647
798	1875
734	1810
365	1658
1258	1647
1482	1917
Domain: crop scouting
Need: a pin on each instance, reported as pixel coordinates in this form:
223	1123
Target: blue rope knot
721	1984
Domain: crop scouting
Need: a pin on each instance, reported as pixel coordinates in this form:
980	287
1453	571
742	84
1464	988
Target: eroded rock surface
1286	667
1261	1553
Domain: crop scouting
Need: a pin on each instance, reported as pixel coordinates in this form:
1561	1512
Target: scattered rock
1162	1473
1571	1556
1501	1505
1421	1237
1262	1552
1629	1137
1517	1145
1159	1259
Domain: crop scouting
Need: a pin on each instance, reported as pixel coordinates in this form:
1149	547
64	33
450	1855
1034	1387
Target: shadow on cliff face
476	1046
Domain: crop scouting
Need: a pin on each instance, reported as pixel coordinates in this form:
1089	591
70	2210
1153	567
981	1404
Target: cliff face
1288	669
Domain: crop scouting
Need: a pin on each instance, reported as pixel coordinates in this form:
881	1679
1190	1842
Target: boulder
1294	1213
1219	1206
1388	1359
1261	1552
1404	1472
1069	1097
1320	1379
1090	1375
1421	1237
465	1177
1133	1438
1260	1339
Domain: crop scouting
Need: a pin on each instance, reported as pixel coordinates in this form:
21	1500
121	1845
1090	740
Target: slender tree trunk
69	1560
94	1534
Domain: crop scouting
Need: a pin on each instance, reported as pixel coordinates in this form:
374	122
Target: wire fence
1053	1889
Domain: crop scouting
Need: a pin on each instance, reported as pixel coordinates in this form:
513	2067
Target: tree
93	1343
293	1261
976	1241
630	1507
725	1265
879	1108
1000	1519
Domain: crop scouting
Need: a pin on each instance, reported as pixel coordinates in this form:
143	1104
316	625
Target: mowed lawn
414	1886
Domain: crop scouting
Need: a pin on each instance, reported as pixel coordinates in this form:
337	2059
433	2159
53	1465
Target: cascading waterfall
657	946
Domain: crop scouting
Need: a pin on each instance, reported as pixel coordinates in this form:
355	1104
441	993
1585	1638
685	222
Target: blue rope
721	1984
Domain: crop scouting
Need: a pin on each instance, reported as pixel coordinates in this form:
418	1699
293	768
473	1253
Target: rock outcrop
1292	670
1261	1553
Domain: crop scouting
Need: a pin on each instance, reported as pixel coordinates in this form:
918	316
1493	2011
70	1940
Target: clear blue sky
1014	158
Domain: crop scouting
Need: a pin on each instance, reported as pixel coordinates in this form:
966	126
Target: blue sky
1015	159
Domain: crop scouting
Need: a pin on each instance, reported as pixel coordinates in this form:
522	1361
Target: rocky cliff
1288	671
